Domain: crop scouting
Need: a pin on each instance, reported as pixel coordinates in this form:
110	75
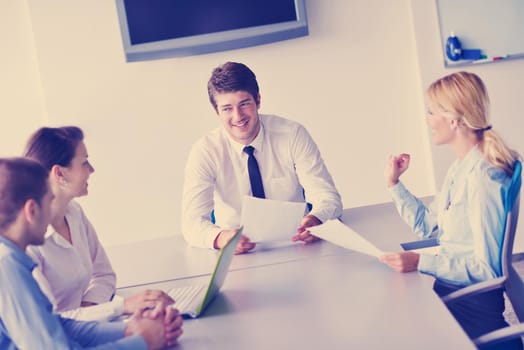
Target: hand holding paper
337	233
270	220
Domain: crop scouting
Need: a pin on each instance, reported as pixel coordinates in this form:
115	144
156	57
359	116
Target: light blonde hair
464	96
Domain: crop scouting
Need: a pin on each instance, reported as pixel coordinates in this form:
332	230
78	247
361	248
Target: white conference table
301	296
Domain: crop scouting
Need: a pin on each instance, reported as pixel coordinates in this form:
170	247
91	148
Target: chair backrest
511	207
510	280
513	285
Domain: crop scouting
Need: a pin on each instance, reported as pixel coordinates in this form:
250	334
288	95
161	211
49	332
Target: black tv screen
165	28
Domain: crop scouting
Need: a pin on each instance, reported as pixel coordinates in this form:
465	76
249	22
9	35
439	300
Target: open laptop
192	300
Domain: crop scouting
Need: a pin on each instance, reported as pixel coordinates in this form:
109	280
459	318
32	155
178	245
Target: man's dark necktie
254	173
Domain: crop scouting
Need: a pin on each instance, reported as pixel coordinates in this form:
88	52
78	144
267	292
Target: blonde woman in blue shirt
469	211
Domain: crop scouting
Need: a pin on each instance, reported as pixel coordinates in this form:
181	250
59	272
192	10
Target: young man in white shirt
216	173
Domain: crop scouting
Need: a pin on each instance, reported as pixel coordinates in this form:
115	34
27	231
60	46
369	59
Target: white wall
21	104
503	80
353	82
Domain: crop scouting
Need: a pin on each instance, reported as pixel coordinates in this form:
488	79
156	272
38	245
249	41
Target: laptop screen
221	268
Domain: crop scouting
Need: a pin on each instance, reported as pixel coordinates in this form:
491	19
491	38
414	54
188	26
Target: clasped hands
160	326
153	318
245	245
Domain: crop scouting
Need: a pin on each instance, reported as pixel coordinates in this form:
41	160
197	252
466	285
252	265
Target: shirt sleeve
102	285
28	320
421	218
26	312
313	175
197	199
485	215
101	335
100	312
35	255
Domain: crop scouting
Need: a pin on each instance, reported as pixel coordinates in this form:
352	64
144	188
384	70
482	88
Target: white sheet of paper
269	220
336	232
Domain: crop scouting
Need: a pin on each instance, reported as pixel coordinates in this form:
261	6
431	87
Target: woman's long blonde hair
464	96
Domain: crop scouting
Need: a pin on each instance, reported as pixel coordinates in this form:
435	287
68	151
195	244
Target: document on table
336	232
270	220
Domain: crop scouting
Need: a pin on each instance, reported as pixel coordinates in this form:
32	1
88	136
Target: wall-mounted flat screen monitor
153	29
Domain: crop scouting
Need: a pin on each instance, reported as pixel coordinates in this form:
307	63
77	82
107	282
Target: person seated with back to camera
26	317
290	167
468	211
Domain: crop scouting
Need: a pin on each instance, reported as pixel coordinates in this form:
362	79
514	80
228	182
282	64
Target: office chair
212	217
510	281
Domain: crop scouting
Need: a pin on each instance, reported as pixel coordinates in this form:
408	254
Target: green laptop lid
221	268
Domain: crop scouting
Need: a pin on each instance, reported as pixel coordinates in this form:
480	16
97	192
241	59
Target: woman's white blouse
70	274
